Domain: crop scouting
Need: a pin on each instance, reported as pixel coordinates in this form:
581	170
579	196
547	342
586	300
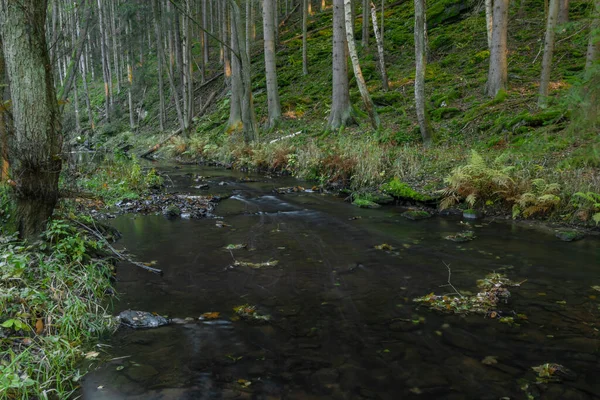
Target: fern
591	203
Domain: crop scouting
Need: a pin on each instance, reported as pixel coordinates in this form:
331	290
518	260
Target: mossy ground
555	144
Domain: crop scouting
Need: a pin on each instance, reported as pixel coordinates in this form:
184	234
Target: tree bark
548	53
341	110
105	66
420	72
3	131
365	23
159	61
274	105
489	21
384	78
593	48
360	80
563	12
497	73
35	145
305	4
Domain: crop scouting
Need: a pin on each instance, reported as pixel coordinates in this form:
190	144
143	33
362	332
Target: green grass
53	297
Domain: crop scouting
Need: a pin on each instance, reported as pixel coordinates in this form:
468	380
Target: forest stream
343	323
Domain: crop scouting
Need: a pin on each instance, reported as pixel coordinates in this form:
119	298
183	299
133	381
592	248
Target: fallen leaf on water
597	288
91	355
490	360
211	315
244	382
120	368
385	246
100	387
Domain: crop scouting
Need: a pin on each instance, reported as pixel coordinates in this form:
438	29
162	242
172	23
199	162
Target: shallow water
344	325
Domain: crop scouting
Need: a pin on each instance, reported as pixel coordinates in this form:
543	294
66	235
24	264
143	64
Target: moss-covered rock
567	235
364	203
401	190
416	215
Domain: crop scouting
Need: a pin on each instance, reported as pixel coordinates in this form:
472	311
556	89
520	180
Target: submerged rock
141	319
567	235
416	215
172	211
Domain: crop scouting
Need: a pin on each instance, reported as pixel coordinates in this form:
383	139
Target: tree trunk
563	12
548	53
365	23
159	61
271	64
35	145
497	74
341	110
105	66
247	105
3	131
593	48
305	4
237	91
384	78
420	72
360	80
489	21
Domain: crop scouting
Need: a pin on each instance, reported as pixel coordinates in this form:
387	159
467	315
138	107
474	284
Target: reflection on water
343	322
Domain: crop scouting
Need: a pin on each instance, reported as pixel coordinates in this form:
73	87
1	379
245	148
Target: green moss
401	190
416	215
364	203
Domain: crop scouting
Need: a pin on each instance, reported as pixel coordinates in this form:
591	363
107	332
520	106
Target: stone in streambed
416	215
141	319
567	235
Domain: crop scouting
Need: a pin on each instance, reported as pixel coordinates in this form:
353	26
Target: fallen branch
119	255
157	146
285	137
284	20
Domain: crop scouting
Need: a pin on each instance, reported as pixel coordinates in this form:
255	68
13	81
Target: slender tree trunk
275	21
420	72
365	23
4	166
159	62
130	73
548	53
384	78
497	74
105	66
113	28
271	64
305	4
360	80
235	71
489	21
248	25
36	140
563	12
341	110
593	48
205	48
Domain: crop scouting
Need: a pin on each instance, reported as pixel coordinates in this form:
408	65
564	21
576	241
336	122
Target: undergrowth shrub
589	205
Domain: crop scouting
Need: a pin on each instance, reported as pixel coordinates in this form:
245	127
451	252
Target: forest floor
503	155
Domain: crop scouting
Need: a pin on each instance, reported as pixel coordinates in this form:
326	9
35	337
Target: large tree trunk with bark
360	80
497	74
35	145
548	53
274	105
563	12
421	64
341	110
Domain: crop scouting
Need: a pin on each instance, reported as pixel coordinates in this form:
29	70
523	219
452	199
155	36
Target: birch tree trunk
341	110
271	64
420	72
360	80
36	141
548	53
384	78
497	73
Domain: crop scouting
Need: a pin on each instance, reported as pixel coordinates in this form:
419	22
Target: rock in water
141	319
569	235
